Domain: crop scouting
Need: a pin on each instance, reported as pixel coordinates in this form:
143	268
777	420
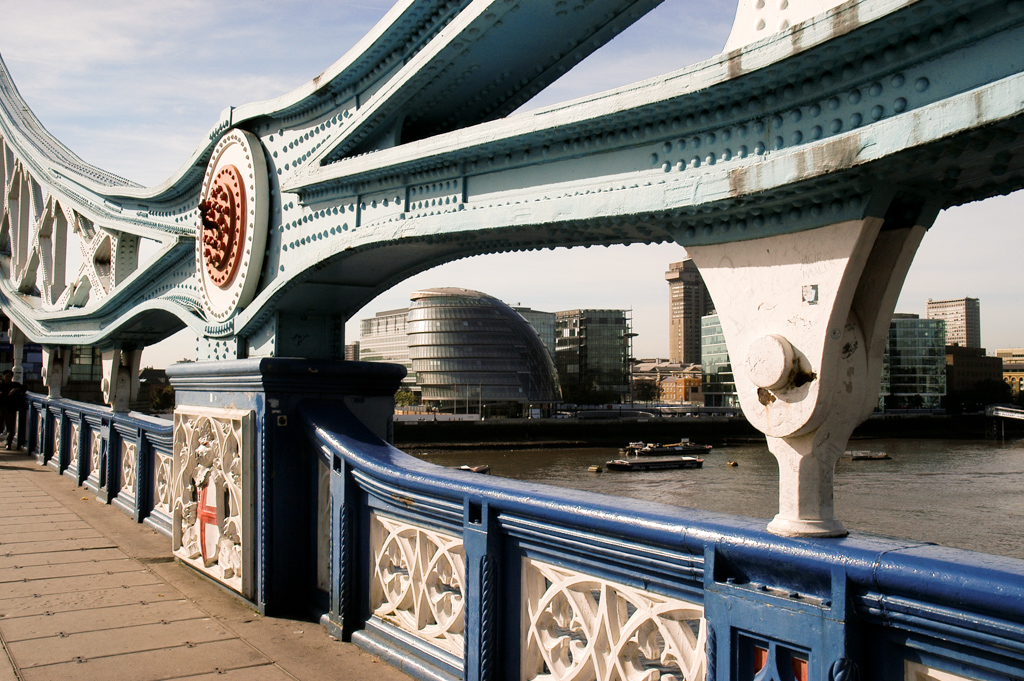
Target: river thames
963	493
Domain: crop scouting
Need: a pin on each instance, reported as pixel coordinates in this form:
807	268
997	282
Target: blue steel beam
398	158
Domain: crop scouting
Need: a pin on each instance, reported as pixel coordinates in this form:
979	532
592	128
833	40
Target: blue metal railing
450	574
773	607
124	458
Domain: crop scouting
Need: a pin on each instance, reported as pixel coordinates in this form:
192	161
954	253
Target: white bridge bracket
56	368
120	384
806	318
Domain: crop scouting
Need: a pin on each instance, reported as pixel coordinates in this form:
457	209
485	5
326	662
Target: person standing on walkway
12	396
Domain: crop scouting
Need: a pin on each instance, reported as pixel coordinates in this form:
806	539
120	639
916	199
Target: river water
963	493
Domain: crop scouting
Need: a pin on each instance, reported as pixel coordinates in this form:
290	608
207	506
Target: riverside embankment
715	430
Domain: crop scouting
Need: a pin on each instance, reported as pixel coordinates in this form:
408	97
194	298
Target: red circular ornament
224	224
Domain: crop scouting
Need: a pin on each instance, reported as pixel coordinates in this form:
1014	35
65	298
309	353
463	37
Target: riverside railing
125	458
451	574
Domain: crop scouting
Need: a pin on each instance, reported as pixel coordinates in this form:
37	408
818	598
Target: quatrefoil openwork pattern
40	233
418	581
577	627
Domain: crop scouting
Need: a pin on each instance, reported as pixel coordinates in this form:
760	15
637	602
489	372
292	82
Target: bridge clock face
232	229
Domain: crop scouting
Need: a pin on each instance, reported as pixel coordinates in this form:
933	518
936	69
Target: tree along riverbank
714	430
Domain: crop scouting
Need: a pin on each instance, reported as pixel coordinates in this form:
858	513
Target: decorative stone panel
128	465
58	422
577	626
418	581
73	444
162	481
95	451
211	494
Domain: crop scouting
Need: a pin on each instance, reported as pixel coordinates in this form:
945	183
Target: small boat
482	468
865	456
654	463
684	446
594	469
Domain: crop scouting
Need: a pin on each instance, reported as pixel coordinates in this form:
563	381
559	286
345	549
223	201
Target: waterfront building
544	323
914	366
383	338
689	300
471	351
719	386
1010	354
592	353
677	383
685	388
1013	375
967	367
962	317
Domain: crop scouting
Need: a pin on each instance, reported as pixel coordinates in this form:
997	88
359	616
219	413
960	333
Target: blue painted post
31	415
343	617
81	467
284	475
480	539
109	460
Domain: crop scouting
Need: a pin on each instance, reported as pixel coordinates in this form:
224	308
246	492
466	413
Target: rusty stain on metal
405	501
765	396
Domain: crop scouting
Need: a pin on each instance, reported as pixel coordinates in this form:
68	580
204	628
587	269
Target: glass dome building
471	351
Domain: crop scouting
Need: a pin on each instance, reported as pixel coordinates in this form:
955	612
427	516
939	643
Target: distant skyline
134	86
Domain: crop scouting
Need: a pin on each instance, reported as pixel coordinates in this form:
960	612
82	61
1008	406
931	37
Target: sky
134	86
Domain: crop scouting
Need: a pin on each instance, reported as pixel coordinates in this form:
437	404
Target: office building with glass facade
544	323
719	384
383	338
592	353
472	352
914	369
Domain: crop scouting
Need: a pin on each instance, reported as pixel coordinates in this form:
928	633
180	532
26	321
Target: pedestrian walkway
86	593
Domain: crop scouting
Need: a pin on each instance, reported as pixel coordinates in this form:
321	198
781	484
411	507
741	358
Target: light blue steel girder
398	157
429	66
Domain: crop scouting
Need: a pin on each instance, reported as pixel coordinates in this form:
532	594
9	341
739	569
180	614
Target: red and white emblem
209	526
232	224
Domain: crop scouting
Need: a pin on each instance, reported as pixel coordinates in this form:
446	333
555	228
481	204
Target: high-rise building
962	317
914	366
472	351
719	383
352	351
592	353
689	300
383	338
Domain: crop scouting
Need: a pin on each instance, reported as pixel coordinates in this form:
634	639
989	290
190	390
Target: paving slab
69	647
87	593
45	546
86	600
153	665
60	558
56	623
21	573
77	585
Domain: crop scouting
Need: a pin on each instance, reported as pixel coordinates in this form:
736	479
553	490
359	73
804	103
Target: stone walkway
85	593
